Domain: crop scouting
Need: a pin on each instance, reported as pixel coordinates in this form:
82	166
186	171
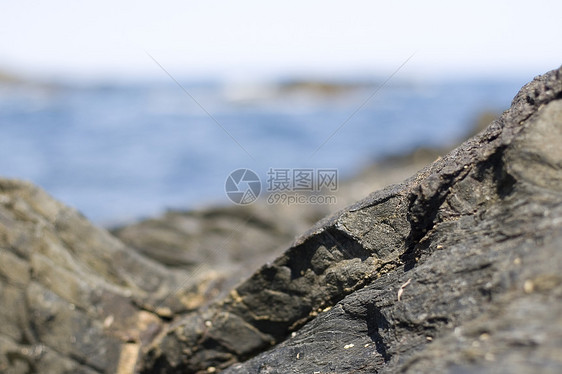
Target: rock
455	269
222	244
74	298
220	237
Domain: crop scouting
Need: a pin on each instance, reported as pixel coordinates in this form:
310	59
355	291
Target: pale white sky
249	37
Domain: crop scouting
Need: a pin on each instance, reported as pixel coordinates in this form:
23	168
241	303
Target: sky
249	38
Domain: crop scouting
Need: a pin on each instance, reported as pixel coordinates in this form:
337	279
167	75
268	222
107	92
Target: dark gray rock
455	269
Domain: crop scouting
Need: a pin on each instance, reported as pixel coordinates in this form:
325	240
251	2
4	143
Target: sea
123	151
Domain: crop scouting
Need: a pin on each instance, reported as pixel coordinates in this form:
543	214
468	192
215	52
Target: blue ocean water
121	151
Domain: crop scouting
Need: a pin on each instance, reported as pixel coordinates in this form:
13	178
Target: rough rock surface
455	269
74	298
226	243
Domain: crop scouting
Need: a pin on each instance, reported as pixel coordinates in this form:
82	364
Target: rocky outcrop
456	269
444	266
74	298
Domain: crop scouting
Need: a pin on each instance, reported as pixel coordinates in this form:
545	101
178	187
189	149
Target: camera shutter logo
243	186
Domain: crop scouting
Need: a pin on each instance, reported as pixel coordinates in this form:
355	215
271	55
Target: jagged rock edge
525	103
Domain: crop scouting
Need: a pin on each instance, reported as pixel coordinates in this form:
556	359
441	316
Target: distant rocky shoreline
455	268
